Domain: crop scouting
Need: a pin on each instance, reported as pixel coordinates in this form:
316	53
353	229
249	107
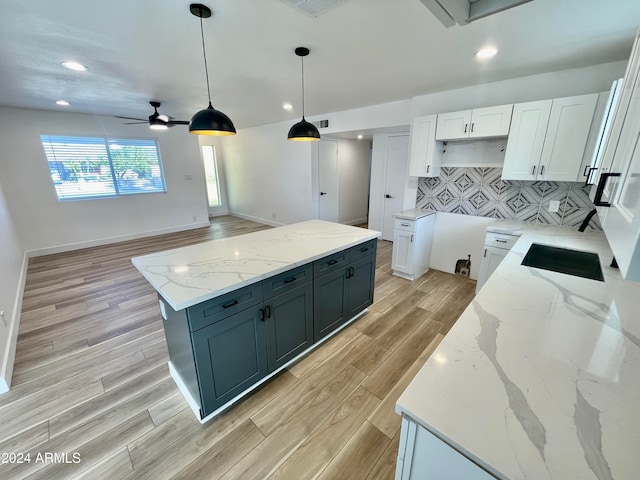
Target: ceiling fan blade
131	118
135	123
177	122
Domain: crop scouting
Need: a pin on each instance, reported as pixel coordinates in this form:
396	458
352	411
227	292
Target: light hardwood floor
91	378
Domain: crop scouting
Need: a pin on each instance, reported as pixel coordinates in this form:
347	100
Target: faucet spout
586	220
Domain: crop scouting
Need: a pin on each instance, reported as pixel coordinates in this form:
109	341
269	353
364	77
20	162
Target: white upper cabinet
426	154
548	138
477	123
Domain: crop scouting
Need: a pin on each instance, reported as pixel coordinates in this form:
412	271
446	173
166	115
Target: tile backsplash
481	192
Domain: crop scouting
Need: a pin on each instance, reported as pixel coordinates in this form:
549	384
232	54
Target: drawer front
406	225
216	309
500	240
330	263
286	281
362	250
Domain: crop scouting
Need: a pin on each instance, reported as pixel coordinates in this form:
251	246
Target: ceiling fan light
158	126
211	122
303	131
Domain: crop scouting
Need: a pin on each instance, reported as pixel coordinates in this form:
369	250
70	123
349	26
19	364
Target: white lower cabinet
423	456
412	246
496	247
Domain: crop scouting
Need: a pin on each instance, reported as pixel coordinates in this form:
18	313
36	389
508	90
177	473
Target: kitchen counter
190	275
538	378
414	214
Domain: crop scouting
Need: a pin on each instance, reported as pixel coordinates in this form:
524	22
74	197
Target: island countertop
538	378
190	275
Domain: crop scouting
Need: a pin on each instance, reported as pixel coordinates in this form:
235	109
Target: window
211	174
93	167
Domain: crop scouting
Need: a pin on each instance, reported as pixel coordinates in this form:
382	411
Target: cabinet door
490	121
289	325
230	357
526	140
492	258
453	125
425	157
329	303
360	285
566	138
402	254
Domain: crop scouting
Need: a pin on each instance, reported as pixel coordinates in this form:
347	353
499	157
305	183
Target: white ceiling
363	52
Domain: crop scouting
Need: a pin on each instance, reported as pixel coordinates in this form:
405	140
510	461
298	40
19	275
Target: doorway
215	191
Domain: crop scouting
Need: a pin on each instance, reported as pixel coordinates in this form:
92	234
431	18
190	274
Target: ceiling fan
156	120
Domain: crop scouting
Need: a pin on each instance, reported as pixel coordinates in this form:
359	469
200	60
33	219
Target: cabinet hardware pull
533	170
501	241
472	127
323	193
364	249
485	253
465	127
268	311
542	170
597	201
353	271
261	314
332	262
404	224
290	279
411	238
586	168
230	304
428	166
388	196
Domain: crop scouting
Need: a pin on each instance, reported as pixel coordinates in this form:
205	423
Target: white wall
46	225
13	268
268	178
354	160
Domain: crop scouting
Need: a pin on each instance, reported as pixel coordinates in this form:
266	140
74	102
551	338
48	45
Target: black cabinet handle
586	169
465	127
588	175
500	241
388	196
472	127
290	279
542	170
364	249
323	193
350	272
332	262
268	311
230	304
262	314
597	201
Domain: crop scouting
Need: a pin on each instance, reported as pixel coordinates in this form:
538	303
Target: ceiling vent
461	12
314	8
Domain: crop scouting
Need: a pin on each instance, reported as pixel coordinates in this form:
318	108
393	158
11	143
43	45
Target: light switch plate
554	206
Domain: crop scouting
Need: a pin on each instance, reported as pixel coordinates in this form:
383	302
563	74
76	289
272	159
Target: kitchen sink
563	260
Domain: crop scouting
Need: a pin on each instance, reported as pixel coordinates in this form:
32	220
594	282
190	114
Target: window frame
107	141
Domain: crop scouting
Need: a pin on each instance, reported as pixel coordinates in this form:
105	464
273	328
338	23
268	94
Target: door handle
230	304
323	193
472	127
533	170
289	279
465	127
597	201
268	311
542	170
388	196
262	314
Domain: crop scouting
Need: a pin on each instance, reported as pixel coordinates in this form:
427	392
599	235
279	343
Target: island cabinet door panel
360	284
289	325
329	303
230	357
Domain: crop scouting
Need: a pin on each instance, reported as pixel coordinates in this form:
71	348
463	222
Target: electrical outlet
273	215
554	206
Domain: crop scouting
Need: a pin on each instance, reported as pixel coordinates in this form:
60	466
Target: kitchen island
238	310
538	378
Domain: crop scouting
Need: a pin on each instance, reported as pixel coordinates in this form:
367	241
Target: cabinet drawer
362	250
330	263
500	240
286	281
406	225
216	309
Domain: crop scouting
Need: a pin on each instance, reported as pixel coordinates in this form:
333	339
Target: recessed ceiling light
486	52
62	103
75	66
287	106
360	137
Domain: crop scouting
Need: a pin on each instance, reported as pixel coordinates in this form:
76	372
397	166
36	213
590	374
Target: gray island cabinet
294	286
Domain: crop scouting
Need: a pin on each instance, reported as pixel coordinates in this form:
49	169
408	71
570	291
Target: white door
395	178
328	180
215	187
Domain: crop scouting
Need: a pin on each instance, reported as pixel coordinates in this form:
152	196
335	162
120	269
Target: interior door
328	180
395	178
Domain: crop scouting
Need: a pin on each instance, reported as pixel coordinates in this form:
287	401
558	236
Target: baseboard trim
357	221
108	240
256	219
8	361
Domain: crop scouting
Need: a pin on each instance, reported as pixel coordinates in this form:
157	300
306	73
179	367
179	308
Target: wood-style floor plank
91	377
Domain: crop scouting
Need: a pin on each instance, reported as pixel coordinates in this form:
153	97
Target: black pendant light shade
303	131
208	121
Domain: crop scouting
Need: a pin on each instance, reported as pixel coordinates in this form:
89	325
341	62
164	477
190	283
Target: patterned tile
446	172
475	174
478	199
433	182
532	192
423	188
552	218
555	192
487	210
502	211
575	218
492	175
444	200
464	208
579	196
497	188
426	203
528	213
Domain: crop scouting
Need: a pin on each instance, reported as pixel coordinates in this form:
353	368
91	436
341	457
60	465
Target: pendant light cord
204	52
302	60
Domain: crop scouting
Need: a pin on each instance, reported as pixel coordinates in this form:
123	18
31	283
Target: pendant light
208	121
303	131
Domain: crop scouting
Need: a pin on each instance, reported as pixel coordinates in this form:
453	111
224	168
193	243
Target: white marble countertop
190	275
540	377
414	214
